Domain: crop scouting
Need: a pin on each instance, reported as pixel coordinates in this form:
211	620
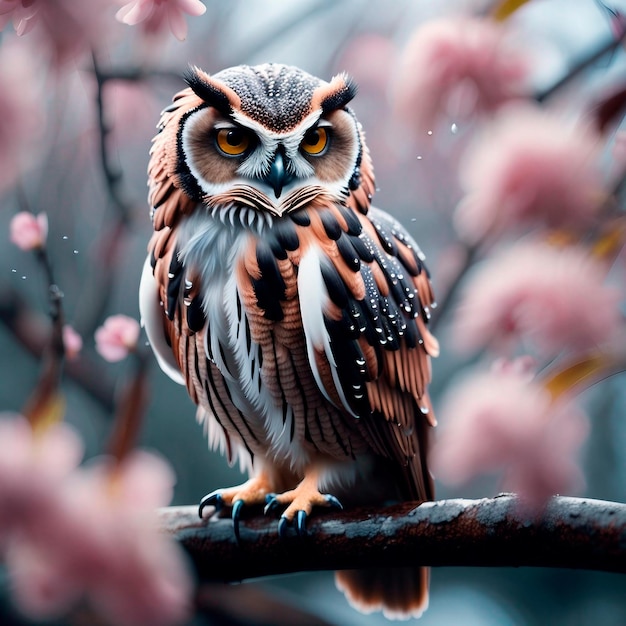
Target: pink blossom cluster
28	231
69	534
154	16
528	168
458	68
69	28
506	422
21	111
117	337
549	299
529	173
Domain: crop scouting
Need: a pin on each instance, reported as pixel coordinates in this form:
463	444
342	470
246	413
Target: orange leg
301	502
253	491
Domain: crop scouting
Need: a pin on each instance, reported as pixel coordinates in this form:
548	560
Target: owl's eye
315	141
232	141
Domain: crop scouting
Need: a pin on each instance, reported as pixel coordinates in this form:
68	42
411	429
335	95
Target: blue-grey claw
212	499
301	523
333	502
236	515
271	502
283	522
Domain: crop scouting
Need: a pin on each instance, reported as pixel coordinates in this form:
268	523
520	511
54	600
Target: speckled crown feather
277	96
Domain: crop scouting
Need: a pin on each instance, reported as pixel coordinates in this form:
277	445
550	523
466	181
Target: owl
294	311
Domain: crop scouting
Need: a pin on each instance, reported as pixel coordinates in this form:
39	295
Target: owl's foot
253	491
301	502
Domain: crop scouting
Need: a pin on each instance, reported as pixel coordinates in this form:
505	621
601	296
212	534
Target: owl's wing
366	322
353	287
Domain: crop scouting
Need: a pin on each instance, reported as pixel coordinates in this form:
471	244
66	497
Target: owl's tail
400	592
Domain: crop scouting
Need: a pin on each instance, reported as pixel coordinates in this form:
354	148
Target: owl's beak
278	175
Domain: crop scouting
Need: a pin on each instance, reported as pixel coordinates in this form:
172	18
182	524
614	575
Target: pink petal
117	337
147	480
38	589
135	12
72	341
27	231
177	22
191	7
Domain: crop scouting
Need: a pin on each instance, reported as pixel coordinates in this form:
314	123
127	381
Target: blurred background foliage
99	228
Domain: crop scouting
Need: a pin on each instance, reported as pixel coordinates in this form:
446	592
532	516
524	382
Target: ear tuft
209	90
342	89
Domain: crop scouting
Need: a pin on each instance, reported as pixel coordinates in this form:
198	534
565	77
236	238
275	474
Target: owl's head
269	138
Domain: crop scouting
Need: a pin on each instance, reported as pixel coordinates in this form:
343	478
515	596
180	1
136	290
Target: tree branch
571	533
32	330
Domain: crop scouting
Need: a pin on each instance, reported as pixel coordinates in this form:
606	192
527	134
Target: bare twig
32	330
443	303
593	57
571	533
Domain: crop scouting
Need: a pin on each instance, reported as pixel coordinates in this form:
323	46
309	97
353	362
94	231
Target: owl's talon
211	499
333	502
271	502
236	516
283	522
301	523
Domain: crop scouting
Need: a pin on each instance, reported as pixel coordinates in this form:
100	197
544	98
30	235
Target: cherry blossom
21	110
117	337
553	298
33	466
500	422
66	28
72	342
101	543
529	168
459	67
155	16
28	231
21	12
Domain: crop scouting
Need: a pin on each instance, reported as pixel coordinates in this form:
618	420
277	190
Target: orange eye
315	141
232	141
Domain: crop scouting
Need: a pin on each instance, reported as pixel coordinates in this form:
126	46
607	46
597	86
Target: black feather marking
286	234
364	247
385	238
355	179
249	338
216	395
348	253
301	217
331	226
277	249
270	306
196	318
334	284
354	226
210	93
411	336
341	97
188	181
170	108
241	416
270	288
349	357
175	277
